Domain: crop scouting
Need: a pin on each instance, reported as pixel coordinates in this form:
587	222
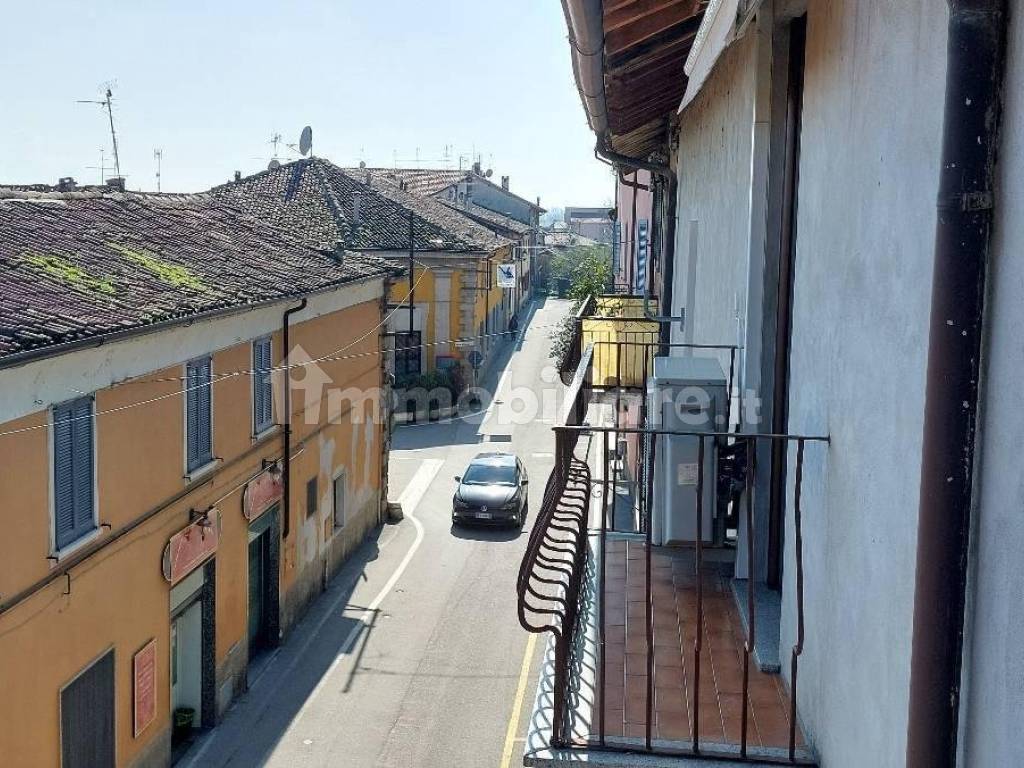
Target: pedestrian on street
513	326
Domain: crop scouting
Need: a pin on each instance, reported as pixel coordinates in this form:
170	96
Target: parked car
492	490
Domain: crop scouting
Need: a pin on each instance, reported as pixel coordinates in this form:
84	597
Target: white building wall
994	677
871	133
712	235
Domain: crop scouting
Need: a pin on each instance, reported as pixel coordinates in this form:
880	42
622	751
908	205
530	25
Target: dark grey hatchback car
493	490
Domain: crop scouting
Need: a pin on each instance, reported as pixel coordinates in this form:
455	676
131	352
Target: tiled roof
83	265
316	200
424	181
496	221
430	181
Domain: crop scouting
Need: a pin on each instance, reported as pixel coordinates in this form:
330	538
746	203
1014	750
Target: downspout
603	151
974	80
286	479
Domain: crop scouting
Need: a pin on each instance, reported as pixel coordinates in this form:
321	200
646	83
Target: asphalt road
414	656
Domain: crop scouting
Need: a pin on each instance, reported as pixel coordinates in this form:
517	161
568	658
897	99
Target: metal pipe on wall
286	475
974	82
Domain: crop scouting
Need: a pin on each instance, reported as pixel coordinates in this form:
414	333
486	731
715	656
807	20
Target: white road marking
543	455
409	499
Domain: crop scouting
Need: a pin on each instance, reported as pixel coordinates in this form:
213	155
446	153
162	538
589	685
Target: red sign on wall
261	494
144	687
191	547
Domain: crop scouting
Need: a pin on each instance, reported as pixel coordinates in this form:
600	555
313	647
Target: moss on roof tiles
70	274
172	274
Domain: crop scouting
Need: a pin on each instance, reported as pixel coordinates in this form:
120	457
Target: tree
589	271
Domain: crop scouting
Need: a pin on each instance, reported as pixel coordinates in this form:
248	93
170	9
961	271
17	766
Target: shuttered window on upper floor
74	493
262	389
198	416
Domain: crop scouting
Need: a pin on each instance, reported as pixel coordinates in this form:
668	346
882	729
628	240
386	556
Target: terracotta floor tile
674	618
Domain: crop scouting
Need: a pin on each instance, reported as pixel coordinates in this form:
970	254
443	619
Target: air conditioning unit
685	394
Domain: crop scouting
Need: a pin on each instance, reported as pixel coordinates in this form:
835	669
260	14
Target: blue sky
210	82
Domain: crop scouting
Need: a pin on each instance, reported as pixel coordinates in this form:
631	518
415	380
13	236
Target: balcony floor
720	700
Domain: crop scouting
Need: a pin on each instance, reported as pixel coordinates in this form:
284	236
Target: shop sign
261	494
144	687
191	547
507	275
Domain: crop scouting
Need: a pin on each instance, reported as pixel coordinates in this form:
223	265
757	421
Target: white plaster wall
868	179
714	168
994	684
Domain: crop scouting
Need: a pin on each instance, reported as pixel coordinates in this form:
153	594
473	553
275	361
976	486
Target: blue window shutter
198	425
191	416
263	414
63	482
74	495
82	464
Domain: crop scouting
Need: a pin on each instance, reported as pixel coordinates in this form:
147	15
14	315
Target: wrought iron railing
551	576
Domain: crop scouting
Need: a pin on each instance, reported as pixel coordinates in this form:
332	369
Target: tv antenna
102	167
158	155
275	139
108	104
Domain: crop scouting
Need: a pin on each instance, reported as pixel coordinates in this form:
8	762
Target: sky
209	83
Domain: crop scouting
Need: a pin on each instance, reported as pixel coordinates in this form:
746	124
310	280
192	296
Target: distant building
592	223
472	193
452	289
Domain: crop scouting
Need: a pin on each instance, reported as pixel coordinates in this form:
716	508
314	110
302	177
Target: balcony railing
655	619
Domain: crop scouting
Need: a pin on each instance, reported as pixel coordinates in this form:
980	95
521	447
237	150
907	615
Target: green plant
60	268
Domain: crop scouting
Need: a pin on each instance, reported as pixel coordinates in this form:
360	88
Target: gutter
286	480
584	21
976	51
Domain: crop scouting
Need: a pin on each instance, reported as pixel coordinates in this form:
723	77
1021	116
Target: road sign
475	358
507	275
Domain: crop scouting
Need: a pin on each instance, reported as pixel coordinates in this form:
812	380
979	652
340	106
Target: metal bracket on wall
67	588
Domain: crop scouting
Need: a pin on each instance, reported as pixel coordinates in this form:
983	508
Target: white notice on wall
686	474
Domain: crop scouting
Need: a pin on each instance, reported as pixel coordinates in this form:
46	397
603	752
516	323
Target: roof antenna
158	155
108	103
275	139
102	167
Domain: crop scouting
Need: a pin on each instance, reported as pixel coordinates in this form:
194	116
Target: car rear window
490	474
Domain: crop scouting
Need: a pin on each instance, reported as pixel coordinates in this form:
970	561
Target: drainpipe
286	490
603	151
974	79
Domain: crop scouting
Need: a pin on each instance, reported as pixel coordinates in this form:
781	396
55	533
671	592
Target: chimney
356	199
476	167
66	184
238	175
115	184
504	183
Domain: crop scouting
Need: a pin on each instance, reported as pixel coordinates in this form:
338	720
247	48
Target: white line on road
409	499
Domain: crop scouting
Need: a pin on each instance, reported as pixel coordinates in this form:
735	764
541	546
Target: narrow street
414	655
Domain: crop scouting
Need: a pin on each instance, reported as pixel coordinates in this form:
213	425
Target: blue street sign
475	358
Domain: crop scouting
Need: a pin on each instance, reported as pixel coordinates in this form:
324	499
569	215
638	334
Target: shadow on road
277	695
487	533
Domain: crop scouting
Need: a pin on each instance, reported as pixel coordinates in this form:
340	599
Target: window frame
403	352
205	463
57	549
339	477
261	428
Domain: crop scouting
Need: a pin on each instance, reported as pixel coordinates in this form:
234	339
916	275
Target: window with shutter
198	417
73	488
262	389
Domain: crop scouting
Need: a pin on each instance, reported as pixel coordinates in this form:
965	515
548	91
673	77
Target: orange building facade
142	628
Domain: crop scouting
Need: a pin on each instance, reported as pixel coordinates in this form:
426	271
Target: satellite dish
362	163
306	141
273	165
489	173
